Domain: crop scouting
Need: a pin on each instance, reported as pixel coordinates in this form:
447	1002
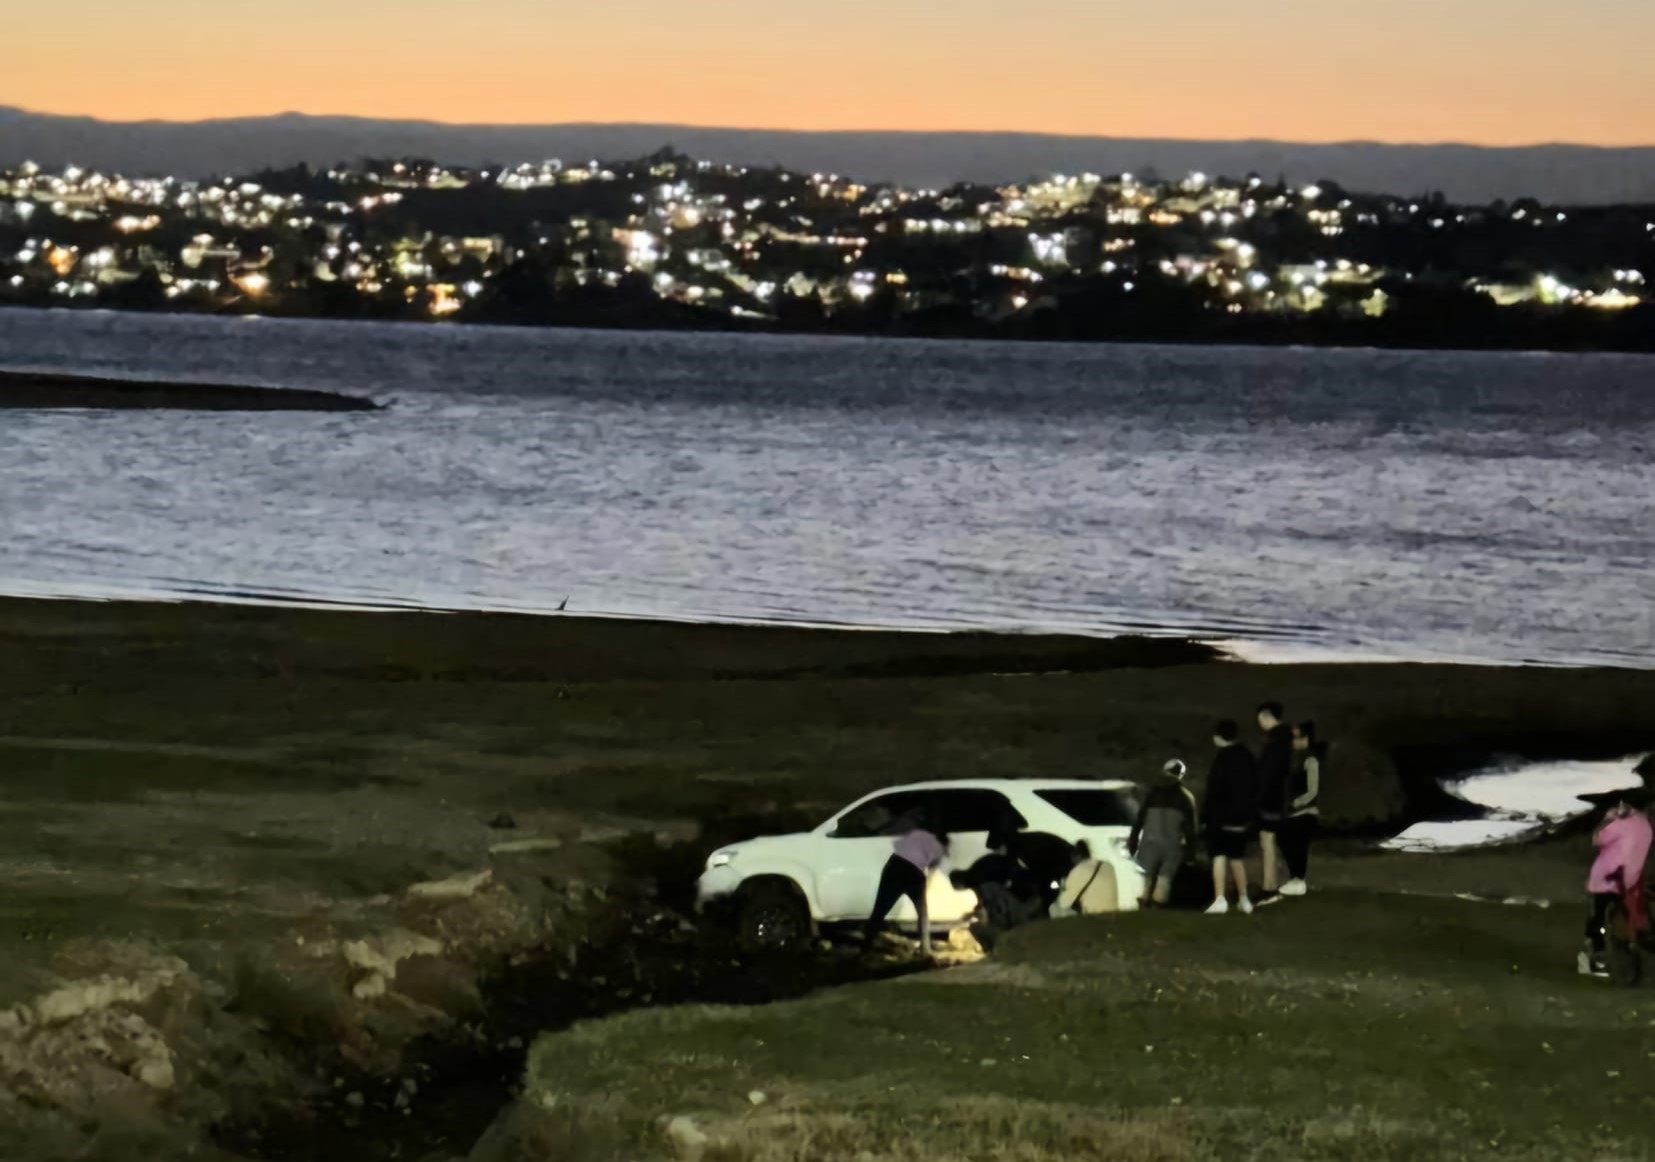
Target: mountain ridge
1555	172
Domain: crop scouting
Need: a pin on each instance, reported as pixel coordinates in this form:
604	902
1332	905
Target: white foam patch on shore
1521	801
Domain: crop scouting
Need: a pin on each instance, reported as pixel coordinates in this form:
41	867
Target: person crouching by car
1617	873
1008	893
1228	813
1089	889
1048	856
1163	836
915	854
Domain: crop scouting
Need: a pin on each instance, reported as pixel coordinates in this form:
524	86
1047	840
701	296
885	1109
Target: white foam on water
1522	801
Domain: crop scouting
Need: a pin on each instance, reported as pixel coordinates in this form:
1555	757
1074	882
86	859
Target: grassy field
173	765
1346	1026
226	798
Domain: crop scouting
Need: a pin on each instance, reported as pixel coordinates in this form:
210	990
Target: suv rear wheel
772	914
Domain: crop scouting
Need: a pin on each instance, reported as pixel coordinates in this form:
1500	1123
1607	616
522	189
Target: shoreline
53	391
1218	645
1549	336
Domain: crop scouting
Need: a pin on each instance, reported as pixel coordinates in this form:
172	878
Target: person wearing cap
1164	835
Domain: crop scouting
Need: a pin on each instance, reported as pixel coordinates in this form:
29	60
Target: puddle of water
1519	802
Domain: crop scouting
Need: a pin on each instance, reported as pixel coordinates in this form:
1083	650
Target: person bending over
915	854
1008	893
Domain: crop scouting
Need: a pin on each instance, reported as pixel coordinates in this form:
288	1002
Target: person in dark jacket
1275	765
1049	857
1304	790
1008	893
1229	811
1163	836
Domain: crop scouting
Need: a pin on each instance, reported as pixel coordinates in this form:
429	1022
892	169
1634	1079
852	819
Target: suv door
850	853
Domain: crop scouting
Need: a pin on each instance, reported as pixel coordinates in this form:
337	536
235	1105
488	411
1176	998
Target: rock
370	987
440	984
91	996
688	1142
460	887
156	1071
524	846
758	1097
503	822
386	951
602	833
679	831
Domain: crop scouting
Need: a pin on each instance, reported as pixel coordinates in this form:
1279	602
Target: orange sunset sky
1485	71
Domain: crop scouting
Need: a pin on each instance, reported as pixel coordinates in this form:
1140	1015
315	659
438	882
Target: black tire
772	915
1620	954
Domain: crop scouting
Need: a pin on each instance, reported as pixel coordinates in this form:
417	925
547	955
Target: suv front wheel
772	914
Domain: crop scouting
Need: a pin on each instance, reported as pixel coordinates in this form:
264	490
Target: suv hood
767	843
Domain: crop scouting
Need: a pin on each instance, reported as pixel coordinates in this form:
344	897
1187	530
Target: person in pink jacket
1623	843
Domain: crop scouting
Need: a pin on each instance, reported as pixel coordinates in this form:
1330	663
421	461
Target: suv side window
1099	808
970	810
878	816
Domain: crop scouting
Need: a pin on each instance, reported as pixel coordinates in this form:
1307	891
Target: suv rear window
1100	808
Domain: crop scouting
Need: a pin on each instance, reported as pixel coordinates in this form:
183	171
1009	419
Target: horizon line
432	122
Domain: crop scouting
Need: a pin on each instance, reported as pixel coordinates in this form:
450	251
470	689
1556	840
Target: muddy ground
273	872
39	390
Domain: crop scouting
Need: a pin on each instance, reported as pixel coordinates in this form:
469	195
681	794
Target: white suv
786	886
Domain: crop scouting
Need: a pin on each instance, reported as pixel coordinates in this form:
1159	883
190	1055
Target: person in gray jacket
1164	835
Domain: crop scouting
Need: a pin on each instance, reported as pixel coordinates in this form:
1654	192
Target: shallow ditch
451	1089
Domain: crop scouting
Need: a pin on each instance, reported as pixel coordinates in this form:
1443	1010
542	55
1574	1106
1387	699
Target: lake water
1519	801
1305	503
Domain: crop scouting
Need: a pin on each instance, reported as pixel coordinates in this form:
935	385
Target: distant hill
1557	173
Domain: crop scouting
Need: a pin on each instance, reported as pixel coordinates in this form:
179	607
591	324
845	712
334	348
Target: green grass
213	782
1346	1026
338	756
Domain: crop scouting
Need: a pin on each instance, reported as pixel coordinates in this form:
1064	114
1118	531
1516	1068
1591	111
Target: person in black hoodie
1304	790
1048	856
1008	893
1229	811
1275	765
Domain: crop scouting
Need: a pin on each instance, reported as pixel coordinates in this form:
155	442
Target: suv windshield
1100	808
